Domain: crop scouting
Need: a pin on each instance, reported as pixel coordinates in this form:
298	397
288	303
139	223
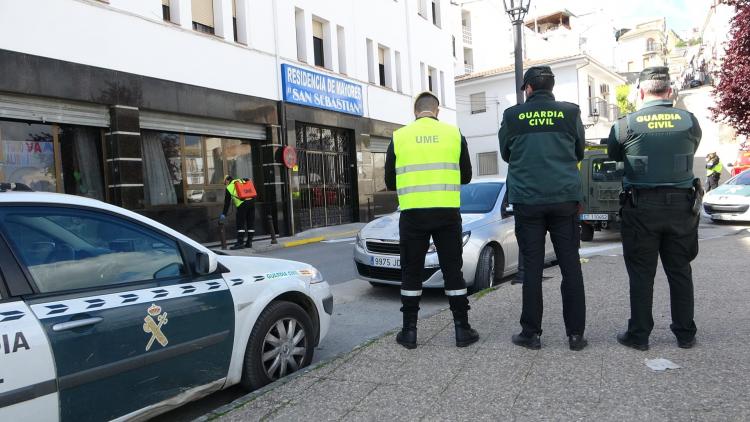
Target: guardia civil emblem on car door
153	323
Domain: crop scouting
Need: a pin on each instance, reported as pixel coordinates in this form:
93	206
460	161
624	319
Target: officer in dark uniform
543	140
660	204
426	163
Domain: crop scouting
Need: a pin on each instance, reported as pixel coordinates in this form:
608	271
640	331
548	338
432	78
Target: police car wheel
281	343
587	232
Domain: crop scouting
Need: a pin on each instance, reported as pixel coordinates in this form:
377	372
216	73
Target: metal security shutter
51	110
201	126
378	144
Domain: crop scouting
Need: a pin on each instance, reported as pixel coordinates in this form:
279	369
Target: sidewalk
263	244
495	380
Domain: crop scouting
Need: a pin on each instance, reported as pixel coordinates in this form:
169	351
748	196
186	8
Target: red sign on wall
289	155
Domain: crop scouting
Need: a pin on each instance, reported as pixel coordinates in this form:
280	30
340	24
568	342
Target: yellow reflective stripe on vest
429	188
425	167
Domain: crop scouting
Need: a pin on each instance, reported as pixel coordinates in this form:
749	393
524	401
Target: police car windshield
742	179
479	198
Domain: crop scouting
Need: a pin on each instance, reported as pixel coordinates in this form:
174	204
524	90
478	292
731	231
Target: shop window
81	151
201	161
203	16
318	48
487	163
27	155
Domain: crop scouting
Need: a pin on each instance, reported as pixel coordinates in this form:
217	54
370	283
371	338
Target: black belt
666	195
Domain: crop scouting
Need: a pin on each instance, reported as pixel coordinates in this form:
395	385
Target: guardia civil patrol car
106	314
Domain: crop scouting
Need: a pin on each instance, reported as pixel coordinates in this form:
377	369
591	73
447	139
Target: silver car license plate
385	261
598	217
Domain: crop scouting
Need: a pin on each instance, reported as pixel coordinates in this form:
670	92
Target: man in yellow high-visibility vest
426	163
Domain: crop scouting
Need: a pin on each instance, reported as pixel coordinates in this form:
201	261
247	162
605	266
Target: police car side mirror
205	263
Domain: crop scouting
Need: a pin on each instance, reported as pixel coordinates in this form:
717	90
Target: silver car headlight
464	240
360	241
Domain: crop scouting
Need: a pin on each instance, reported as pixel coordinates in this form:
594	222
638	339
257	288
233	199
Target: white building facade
167	96
578	79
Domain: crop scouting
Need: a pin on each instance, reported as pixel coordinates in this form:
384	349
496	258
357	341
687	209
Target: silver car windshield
742	179
479	198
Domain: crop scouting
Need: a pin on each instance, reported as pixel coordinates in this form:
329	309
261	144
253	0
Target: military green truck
602	182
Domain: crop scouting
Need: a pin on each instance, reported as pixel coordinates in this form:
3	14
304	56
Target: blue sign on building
305	87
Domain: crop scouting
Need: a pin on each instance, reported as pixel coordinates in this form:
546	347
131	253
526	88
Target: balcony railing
467	34
603	109
469	68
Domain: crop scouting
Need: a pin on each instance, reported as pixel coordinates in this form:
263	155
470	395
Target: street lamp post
516	10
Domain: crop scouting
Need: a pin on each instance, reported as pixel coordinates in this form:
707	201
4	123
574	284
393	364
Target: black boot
465	335
240	242
249	244
407	337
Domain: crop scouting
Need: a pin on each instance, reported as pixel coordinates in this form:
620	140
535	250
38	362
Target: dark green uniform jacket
657	145
542	140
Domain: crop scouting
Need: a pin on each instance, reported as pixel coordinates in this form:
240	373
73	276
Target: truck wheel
587	232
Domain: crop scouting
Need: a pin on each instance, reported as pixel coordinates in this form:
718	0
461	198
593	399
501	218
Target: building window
165	11
234	20
318	49
422	8
435	5
478	103
203	16
341	39
180	168
299	23
487	163
650	44
453	45
371	77
381	66
399	86
442	88
432	80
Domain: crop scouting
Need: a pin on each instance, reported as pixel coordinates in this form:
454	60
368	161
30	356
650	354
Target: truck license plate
597	217
385	261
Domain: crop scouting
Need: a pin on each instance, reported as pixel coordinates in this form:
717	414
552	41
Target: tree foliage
733	91
621	93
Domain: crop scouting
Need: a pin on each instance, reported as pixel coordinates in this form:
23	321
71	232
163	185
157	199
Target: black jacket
542	140
390	164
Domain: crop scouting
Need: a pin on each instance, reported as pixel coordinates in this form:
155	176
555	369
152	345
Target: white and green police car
105	314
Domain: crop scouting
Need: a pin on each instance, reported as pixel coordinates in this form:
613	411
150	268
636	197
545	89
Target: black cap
657	73
535	72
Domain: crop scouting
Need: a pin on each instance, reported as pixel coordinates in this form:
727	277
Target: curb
317	239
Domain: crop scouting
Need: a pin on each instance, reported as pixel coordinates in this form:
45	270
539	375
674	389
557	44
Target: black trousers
712	181
415	228
532	224
246	221
661	225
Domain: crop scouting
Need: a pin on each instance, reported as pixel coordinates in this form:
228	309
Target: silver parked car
490	248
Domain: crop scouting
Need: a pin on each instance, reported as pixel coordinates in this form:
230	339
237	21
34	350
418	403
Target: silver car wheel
283	348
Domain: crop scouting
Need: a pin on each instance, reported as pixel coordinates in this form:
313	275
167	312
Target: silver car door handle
76	324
